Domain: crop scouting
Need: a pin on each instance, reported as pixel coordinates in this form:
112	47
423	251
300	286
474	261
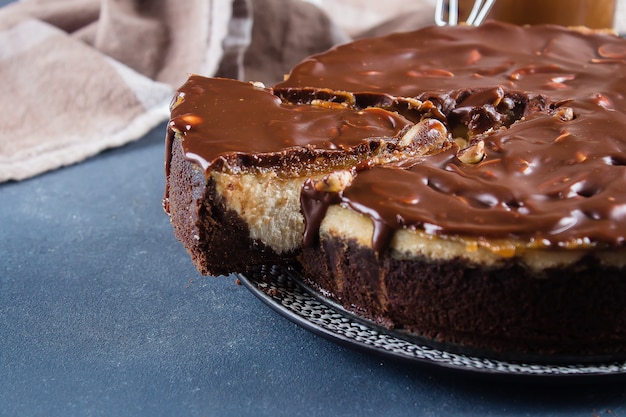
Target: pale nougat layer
344	223
268	203
270	206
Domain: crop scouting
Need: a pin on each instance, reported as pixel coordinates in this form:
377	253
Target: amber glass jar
595	14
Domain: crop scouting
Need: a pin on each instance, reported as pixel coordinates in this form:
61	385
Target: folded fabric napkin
74	84
81	76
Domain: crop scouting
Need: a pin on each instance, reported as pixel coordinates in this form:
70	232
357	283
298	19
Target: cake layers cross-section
465	185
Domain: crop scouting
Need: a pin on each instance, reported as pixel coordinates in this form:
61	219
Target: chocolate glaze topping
551	60
555	177
229	122
545	104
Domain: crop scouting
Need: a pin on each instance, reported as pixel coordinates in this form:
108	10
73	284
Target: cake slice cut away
237	157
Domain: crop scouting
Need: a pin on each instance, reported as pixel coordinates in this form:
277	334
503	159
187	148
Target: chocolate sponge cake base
503	310
215	236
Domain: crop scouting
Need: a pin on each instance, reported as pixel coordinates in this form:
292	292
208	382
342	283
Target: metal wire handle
475	18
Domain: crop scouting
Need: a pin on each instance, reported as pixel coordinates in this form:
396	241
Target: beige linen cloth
81	76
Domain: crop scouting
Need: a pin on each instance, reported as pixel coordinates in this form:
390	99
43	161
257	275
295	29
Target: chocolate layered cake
464	185
238	156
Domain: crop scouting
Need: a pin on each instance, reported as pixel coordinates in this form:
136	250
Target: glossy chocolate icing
551	60
547	103
555	177
230	122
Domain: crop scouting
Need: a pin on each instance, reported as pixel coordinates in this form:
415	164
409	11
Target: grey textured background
102	314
